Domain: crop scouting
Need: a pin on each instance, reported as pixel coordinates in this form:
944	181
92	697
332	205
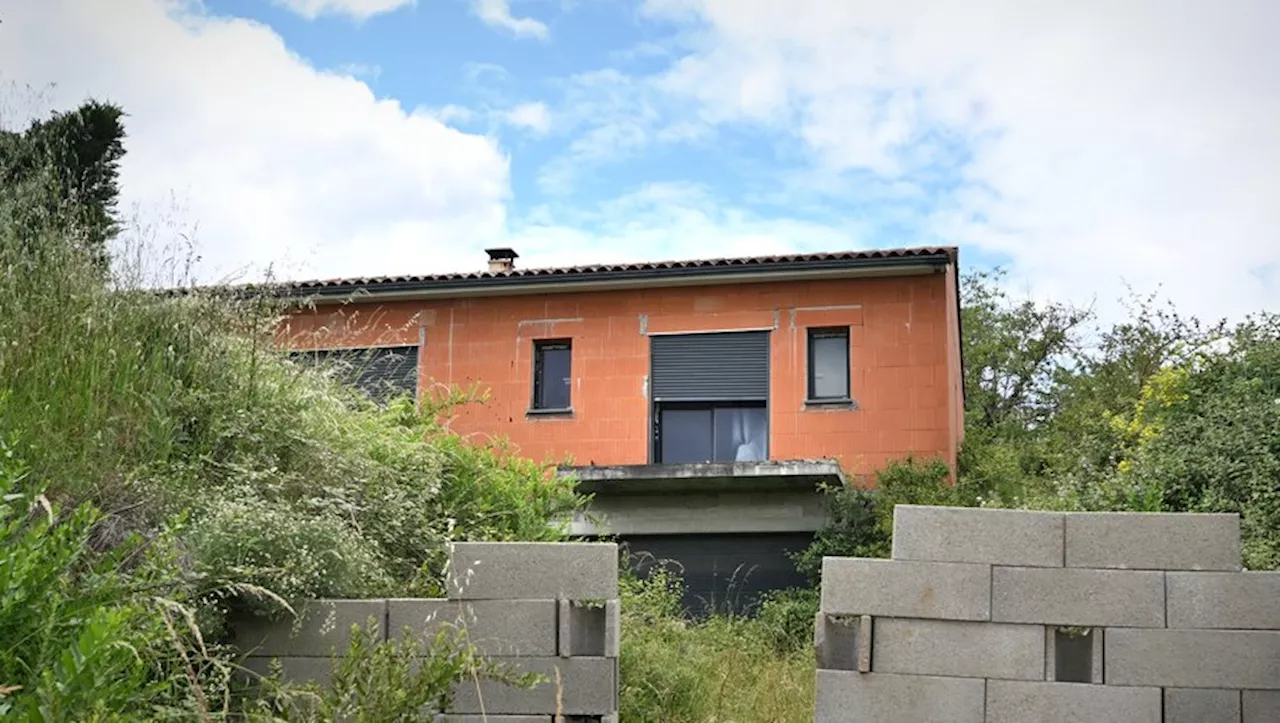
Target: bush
787	618
860	522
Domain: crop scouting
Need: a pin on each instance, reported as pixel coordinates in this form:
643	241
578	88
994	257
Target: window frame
827	332
540	347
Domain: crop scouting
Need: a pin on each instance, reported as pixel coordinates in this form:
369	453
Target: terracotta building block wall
904	368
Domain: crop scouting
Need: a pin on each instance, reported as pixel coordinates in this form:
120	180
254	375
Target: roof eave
630	278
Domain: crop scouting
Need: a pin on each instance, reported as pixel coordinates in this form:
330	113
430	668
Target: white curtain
748	434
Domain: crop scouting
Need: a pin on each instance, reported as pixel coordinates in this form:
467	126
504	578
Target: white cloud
358	9
498	14
533	116
1110	142
272	160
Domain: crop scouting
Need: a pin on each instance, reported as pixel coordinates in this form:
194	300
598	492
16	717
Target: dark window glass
741	434
829	363
693	432
552	379
686	435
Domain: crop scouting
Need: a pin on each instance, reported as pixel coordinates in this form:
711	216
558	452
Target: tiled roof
870	257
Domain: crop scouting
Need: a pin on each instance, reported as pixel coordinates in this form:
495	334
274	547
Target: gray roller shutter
380	372
710	367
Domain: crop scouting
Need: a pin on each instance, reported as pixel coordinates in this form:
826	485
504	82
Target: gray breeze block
1204	705
1193	658
1066	596
843	642
960	649
1011	701
1260	706
1153	540
879	698
587	686
589	630
961	534
323	627
1239	600
937	590
494	627
528	570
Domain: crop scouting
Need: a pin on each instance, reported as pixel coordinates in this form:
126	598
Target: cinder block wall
1012	616
550	608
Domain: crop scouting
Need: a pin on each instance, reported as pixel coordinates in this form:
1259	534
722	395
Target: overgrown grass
722	669
169	422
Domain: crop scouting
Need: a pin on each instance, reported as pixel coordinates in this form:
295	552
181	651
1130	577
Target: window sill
841	403
566	412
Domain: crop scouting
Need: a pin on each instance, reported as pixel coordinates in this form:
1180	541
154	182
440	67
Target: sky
1087	147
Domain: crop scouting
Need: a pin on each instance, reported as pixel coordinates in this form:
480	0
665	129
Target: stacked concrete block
546	608
1011	615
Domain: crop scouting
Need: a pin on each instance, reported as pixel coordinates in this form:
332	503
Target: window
719	432
379	372
552	378
710	397
829	364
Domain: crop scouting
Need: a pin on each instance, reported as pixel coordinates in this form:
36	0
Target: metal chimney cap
502	254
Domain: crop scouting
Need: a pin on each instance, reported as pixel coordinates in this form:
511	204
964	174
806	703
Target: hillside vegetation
161	464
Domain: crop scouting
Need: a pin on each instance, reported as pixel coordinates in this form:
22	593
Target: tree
70	163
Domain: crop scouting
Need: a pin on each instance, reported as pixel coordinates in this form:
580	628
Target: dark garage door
722	572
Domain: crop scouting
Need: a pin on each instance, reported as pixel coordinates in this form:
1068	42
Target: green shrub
786	617
860	521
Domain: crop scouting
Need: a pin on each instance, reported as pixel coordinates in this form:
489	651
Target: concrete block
1066	596
1193	658
589	630
839	641
960	649
881	698
322	628
533	570
1073	656
1011	701
1260	706
572	686
1203	705
293	670
1153	540
494	627
934	590
963	534
1236	600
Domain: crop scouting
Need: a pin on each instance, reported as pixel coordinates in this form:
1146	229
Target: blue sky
1088	147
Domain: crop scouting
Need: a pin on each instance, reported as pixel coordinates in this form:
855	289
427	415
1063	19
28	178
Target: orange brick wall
903	343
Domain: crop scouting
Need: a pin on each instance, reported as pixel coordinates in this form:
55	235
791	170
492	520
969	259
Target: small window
829	364
552	379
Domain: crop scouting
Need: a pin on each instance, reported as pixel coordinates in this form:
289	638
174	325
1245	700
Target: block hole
1073	655
836	642
587	626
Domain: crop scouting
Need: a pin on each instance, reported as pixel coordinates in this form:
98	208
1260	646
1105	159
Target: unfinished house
702	402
